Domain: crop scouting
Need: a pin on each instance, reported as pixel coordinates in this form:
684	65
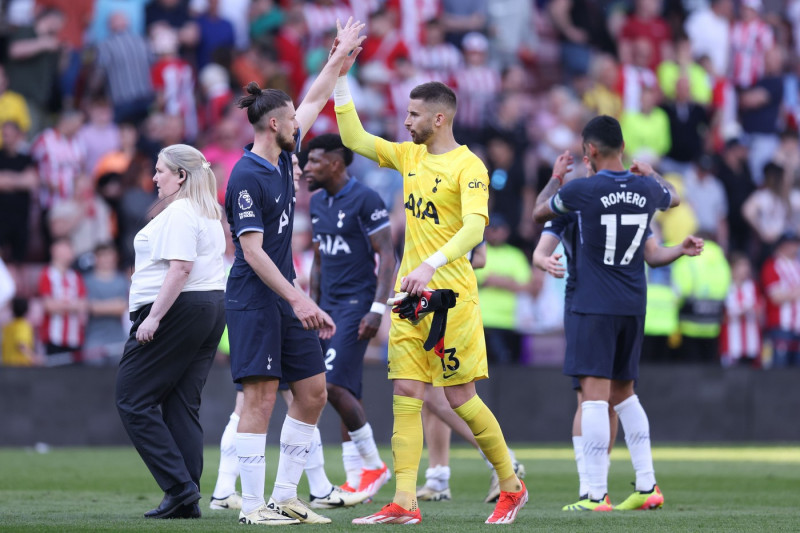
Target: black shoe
170	505
187	511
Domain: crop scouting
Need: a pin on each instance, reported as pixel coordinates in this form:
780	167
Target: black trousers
159	385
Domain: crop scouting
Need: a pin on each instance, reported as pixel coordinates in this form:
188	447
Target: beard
313	185
421	136
287	144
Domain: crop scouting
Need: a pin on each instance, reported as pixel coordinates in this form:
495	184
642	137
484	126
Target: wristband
559	178
436	260
378	307
341	91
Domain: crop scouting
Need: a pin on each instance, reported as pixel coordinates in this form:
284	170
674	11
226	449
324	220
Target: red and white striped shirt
632	80
741	335
322	18
440	61
782	273
174	79
62	329
476	88
413	16
60	162
749	43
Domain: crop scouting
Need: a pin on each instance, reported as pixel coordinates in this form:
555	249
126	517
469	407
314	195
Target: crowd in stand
708	91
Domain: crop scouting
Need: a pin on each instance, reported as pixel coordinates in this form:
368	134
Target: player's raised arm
656	255
644	169
354	136
543	210
347	41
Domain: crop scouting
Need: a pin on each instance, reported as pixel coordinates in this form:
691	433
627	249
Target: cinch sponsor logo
379	214
475	184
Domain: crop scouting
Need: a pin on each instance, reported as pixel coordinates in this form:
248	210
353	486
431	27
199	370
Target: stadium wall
74	406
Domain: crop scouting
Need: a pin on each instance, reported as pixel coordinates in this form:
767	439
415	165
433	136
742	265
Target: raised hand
692	246
642	169
563	165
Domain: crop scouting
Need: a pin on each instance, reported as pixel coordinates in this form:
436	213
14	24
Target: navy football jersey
565	228
342	226
613	210
259	198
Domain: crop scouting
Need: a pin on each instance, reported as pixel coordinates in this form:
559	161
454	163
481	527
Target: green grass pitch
724	488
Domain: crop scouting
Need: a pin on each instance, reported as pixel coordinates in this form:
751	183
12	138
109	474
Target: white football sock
228	461
365	443
583	480
438	477
295	441
250	451
596	436
353	463
318	482
637	437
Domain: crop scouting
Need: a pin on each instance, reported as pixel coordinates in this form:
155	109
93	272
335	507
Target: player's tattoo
549	190
664	183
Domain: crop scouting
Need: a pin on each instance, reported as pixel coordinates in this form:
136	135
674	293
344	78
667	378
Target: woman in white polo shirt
177	309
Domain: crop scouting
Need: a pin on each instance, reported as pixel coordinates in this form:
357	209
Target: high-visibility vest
703	283
662	303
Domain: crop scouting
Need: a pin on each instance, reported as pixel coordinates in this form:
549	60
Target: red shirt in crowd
784	273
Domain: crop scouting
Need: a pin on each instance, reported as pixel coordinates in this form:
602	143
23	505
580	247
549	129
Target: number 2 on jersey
610	222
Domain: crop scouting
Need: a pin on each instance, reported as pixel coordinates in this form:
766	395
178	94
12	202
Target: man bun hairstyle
260	102
435	92
331	142
605	133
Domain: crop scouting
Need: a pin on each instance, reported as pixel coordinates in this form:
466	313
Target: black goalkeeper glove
415	308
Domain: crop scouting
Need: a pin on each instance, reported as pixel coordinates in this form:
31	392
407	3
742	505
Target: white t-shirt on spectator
177	233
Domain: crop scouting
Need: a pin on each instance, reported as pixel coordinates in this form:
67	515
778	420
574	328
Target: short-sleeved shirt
439	190
179	233
259	197
343	224
614	210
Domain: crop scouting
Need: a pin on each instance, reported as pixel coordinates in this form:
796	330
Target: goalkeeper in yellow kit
445	187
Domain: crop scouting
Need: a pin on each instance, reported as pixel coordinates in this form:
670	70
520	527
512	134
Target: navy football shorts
272	342
604	346
344	353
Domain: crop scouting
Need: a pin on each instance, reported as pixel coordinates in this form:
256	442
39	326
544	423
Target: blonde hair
200	185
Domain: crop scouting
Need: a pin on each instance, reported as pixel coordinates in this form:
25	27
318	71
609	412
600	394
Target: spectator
289	45
780	278
708	29
385	43
602	97
223	154
266	18
18	341
63	296
751	38
18	182
84	219
661	318
760	107
702	284
706	195
646	23
637	75
175	14
436	57
507	273
217	95
107	293
734	174
461	17
688	124
173	80
12	107
123	64
321	15
77	16
772	209
100	135
646	132
740	340
32	67
670	73
581	25
61	159
215	33
237	13
133	10
477	85
512	24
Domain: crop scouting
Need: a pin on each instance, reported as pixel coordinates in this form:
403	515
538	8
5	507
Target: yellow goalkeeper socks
407	449
490	439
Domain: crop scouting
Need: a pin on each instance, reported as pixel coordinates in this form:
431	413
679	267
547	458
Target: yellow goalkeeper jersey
438	191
